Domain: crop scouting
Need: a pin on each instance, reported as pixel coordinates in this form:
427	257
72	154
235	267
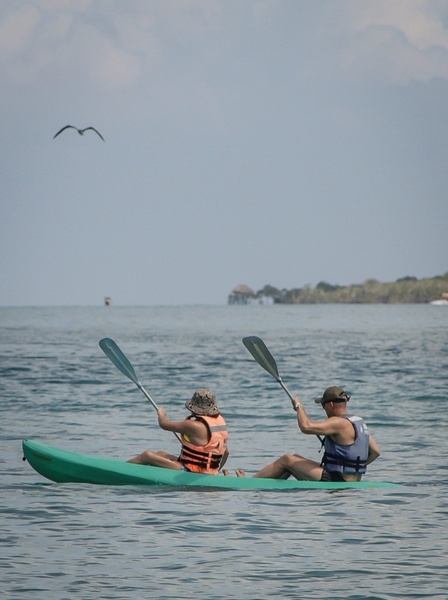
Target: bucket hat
203	402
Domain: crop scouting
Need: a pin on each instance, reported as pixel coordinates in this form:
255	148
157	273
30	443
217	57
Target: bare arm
374	450
332	426
340	429
196	431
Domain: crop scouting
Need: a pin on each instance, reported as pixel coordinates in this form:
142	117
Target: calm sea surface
65	541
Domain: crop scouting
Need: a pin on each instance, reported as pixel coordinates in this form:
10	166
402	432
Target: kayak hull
64	466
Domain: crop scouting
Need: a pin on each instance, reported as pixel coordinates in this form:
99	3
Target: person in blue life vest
348	446
203	437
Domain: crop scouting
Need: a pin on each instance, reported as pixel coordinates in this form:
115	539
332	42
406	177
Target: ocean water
65	541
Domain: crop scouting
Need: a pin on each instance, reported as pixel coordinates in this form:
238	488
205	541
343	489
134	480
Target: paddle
113	352
264	358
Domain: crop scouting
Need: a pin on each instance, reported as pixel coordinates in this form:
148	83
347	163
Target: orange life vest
206	459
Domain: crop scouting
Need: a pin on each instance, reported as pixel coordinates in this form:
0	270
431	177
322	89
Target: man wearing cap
348	446
203	436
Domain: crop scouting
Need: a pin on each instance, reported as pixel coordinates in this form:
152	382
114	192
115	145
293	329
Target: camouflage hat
333	394
203	402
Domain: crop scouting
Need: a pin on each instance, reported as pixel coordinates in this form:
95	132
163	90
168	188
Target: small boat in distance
443	301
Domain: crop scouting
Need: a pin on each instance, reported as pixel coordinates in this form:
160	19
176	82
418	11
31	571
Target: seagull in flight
80	131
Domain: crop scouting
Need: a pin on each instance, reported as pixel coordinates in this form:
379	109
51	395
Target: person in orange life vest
203	437
349	447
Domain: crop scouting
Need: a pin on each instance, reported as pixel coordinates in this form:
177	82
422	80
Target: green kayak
64	466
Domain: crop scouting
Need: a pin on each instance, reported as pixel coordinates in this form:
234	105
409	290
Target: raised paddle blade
264	358
112	351
260	352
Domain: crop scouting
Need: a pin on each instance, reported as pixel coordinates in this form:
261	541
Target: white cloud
382	54
119	43
63	37
395	42
419	20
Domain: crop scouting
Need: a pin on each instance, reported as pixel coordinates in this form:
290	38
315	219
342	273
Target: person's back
348	459
206	458
203	436
347	443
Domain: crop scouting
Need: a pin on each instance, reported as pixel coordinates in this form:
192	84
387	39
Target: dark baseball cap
333	394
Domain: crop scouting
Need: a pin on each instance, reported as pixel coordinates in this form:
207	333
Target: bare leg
157	459
291	464
241	473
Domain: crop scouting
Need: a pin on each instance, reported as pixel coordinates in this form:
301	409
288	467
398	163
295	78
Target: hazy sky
281	142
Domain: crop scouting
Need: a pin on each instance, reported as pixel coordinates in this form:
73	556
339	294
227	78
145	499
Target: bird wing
63	129
93	129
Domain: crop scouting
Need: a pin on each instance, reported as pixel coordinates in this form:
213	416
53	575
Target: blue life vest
350	459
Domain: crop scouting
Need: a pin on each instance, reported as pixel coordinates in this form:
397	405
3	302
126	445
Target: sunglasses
346	399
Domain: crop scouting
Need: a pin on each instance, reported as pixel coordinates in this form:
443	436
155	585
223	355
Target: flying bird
80	131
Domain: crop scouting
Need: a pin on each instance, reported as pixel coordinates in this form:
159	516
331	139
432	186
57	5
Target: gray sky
281	142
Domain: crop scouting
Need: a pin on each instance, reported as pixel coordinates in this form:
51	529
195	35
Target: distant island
407	290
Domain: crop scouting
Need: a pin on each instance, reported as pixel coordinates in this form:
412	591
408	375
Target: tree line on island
406	290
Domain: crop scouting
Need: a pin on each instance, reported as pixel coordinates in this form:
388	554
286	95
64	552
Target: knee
145	456
290	459
285	460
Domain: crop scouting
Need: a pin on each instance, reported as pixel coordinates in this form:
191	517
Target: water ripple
66	541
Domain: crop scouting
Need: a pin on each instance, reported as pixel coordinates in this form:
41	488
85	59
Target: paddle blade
260	352
112	351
